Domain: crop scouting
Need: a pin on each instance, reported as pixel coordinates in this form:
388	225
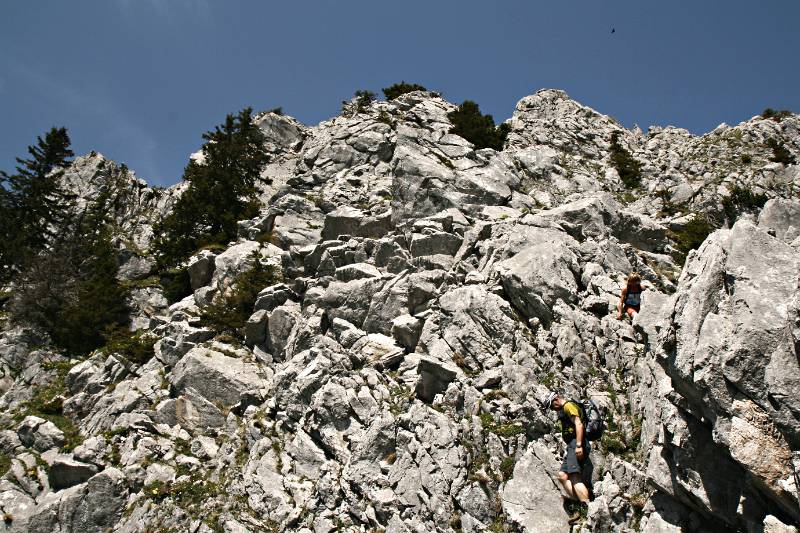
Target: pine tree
222	190
32	204
477	128
71	290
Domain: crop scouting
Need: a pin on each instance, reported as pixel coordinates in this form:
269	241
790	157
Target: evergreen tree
399	89
31	203
628	168
222	190
477	128
71	291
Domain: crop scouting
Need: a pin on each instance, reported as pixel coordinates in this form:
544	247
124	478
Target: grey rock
271	297
215	376
201	268
351	221
433	243
782	218
531	499
406	329
255	329
356	271
66	472
282	322
434	377
538	276
39	434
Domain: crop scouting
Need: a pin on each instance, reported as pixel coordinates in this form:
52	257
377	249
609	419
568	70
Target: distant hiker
631	297
576	465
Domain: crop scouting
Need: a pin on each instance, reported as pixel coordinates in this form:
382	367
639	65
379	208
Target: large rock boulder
216	377
540	275
531	499
39	434
729	342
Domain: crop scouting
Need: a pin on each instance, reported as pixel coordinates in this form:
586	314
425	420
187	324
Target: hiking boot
581	511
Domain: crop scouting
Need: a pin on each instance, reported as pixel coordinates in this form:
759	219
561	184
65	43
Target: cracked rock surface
431	294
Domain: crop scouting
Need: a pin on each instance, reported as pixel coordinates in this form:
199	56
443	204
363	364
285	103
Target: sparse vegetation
628	168
5	463
507	467
507	430
136	348
176	284
477	128
362	100
399	89
776	115
229	313
47	401
691	236
780	154
741	200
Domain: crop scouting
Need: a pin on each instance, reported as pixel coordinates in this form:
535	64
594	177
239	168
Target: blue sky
141	80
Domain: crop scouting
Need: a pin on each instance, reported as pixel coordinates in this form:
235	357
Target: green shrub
176	284
5	463
628	168
47	401
780	154
507	467
777	116
477	128
229	313
692	236
747	159
741	200
135	347
401	88
71	291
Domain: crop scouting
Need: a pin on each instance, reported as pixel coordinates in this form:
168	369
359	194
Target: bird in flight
613	30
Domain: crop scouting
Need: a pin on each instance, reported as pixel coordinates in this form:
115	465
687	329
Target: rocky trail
431	294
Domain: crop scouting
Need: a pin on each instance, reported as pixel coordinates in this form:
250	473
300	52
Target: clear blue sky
141	80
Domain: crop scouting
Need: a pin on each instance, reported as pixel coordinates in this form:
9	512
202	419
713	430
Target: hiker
631	297
576	465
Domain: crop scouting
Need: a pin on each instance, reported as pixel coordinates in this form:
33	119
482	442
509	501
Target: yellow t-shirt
568	412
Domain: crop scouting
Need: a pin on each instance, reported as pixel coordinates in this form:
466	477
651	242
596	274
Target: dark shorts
571	465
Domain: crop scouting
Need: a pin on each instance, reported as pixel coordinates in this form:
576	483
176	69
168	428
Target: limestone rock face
531	499
215	376
430	293
730	348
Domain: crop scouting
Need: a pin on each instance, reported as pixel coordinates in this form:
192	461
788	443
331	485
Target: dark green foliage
363	100
5	463
628	168
71	290
479	129
176	284
777	116
401	88
667	207
229	313
31	204
507	467
741	200
780	154
692	236
747	159
221	191
134	347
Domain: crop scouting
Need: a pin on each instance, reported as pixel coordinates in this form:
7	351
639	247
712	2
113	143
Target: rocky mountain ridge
431	294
